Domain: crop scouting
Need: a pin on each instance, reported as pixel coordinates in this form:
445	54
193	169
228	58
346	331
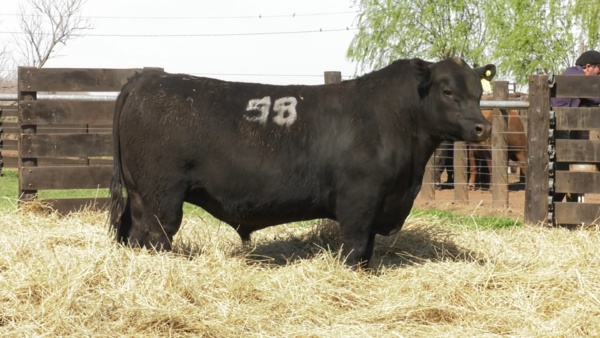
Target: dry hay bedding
67	277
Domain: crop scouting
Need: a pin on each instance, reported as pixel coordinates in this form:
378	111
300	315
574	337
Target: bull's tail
120	211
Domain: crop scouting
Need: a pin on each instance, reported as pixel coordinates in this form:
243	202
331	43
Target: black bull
258	155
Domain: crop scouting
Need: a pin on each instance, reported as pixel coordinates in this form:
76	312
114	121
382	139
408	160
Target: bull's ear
423	72
486	72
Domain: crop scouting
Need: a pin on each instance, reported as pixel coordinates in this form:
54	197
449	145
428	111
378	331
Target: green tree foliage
531	36
521	37
430	29
587	12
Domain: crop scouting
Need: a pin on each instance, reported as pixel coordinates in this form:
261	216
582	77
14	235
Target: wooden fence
66	144
61	143
545	177
8	136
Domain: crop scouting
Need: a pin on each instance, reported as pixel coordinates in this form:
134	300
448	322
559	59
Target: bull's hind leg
155	219
124	223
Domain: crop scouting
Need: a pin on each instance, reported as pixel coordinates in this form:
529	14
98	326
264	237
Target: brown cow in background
516	142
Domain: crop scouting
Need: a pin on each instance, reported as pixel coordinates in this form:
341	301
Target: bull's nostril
479	129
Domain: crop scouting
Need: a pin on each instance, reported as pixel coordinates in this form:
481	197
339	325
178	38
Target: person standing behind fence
588	64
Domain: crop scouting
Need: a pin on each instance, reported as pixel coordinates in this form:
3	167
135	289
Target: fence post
499	148
461	188
1	142
428	186
24	95
333	77
523	113
538	124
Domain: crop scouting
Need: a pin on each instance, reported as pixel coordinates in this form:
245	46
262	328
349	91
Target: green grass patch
9	190
192	210
73	193
470	222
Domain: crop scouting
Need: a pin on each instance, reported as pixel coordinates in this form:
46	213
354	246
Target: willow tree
532	36
587	14
429	29
521	37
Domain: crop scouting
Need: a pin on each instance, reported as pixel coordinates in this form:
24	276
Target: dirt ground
479	204
480	200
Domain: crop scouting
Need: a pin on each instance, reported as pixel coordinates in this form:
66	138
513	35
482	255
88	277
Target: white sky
308	54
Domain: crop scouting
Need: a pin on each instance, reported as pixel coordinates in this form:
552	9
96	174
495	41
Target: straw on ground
66	277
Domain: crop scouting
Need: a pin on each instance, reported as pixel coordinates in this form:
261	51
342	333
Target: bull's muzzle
483	131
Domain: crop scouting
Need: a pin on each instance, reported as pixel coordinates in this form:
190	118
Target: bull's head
452	91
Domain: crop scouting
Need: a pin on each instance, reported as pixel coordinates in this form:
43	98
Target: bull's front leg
356	212
358	248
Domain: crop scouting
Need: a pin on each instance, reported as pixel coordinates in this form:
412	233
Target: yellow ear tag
488	73
485	84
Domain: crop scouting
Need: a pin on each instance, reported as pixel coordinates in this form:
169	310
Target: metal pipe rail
504	104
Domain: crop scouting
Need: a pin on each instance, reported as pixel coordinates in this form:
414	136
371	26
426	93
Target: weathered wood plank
67	145
461	189
577	182
38	178
8	119
68	112
61	129
577	213
538	123
576	86
332	77
10	145
10	162
56	162
10	128
10	153
70	162
58	129
584	118
27	96
100	129
577	151
499	149
70	205
11	111
101	161
9	136
73	79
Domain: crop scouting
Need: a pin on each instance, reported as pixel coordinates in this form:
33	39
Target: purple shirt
566	102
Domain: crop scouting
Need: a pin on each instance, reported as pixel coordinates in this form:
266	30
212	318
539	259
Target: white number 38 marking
281	107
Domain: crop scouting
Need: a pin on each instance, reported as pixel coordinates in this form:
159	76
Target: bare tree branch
5	73
46	26
6	67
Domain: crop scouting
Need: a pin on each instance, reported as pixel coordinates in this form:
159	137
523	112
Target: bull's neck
429	137
427	146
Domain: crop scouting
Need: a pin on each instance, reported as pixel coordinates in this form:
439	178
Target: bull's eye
447	92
